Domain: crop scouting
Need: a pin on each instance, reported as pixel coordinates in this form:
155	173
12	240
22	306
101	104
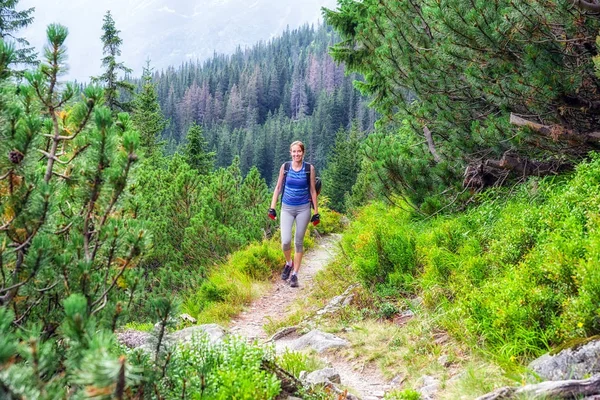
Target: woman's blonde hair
297	143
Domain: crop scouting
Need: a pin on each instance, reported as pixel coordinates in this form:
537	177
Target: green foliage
80	359
231	370
295	362
387	310
366	188
331	221
64	229
71	247
258	260
400	165
147	115
342	169
232	215
516	271
196	150
7	57
447	75
406	394
196	221
382	248
11	21
112	84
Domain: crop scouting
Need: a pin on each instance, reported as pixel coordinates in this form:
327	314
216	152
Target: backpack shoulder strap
307	168
286	168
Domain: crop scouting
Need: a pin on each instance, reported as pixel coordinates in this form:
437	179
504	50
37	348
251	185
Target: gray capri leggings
302	216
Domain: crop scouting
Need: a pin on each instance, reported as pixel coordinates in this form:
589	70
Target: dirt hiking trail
366	383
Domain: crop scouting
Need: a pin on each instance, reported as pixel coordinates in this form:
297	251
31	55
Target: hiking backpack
307	167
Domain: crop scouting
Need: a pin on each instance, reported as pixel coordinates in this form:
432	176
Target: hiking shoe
286	271
294	281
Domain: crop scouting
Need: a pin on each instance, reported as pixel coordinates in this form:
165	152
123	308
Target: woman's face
296	153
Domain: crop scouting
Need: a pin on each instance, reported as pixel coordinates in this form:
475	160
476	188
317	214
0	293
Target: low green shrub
295	362
518	272
382	249
406	394
230	370
258	260
331	221
387	310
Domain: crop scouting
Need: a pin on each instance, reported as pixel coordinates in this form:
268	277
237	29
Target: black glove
272	214
315	219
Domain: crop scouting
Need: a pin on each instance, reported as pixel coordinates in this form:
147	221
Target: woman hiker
297	179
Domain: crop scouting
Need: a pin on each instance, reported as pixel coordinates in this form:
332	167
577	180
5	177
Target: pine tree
188	107
247	152
254	200
263	155
218	228
196	151
467	75
224	152
112	85
343	166
298	98
11	21
74	248
234	113
147	116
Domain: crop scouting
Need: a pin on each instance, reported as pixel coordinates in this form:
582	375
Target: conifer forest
457	141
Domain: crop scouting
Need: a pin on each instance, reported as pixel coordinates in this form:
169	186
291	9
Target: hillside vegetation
255	102
473	199
516	273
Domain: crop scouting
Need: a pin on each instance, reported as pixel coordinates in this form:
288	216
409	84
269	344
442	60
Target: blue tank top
296	192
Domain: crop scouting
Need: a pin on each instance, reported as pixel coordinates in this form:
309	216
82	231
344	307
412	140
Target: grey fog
166	32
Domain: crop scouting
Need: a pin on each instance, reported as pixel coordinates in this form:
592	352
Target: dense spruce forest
458	137
253	103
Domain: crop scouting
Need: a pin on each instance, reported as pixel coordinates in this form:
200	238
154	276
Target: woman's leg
285	227
302	220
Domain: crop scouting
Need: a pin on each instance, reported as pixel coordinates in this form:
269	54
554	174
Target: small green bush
231	370
387	310
382	248
406	394
295	362
258	260
331	221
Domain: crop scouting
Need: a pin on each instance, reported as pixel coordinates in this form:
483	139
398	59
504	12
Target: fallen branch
569	389
556	132
587	5
430	144
289	383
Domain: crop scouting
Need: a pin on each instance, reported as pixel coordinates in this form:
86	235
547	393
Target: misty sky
168	32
